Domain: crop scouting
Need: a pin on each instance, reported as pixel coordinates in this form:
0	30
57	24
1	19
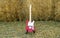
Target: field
44	29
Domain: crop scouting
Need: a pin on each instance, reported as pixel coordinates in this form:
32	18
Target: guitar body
29	28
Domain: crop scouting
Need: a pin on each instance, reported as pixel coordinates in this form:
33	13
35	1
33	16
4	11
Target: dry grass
44	29
12	9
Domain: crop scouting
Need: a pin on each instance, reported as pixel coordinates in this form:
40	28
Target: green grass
44	29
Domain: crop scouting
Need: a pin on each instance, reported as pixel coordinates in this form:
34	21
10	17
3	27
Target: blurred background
45	13
45	10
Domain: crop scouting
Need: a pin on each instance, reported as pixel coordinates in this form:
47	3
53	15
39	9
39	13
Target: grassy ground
44	29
